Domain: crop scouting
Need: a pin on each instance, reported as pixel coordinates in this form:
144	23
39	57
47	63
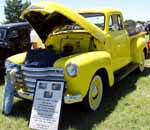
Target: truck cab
86	49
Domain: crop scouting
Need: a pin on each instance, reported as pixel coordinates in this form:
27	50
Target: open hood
45	17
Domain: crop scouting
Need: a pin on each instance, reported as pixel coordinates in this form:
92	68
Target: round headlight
72	69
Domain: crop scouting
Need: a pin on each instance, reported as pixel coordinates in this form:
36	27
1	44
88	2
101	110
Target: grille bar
27	76
56	69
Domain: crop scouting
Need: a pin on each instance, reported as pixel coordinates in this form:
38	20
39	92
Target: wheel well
145	51
102	72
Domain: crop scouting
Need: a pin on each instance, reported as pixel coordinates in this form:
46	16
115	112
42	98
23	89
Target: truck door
119	42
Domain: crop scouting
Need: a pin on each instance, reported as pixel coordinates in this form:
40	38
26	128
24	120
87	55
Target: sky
132	9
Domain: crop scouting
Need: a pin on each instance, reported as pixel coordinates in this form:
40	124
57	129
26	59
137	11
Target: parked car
14	38
88	50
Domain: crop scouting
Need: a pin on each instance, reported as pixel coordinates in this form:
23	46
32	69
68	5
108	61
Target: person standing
8	91
11	69
35	40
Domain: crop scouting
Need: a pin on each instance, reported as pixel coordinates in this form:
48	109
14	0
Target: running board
122	73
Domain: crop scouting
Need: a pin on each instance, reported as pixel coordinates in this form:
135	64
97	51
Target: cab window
110	23
120	22
2	34
115	22
21	34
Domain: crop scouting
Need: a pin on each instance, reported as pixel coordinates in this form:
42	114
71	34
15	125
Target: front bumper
26	79
68	99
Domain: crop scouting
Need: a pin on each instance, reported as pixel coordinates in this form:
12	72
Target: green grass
125	107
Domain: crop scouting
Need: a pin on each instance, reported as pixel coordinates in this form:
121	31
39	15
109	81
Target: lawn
125	107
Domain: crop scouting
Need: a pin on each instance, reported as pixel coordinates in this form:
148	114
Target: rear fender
137	47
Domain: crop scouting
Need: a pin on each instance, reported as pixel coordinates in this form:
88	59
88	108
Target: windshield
2	34
96	18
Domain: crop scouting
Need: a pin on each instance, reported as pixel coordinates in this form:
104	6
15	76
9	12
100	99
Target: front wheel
93	99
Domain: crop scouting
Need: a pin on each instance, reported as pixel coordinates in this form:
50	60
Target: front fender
137	48
18	58
88	64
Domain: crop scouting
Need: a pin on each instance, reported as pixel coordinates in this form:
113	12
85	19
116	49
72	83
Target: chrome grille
26	77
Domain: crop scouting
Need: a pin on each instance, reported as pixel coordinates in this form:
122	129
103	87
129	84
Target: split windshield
96	18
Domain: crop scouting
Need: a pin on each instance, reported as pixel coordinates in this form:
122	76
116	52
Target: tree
130	22
141	22
13	9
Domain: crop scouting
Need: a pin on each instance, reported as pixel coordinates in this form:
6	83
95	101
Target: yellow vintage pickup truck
87	49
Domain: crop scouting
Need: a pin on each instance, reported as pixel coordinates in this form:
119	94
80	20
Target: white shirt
34	38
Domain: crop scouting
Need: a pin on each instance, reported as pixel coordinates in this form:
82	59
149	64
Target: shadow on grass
73	116
22	108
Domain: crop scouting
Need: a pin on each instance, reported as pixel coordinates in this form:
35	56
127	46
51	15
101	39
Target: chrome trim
43	69
26	77
30	80
33	80
30	85
19	80
19	84
68	99
42	75
18	75
25	95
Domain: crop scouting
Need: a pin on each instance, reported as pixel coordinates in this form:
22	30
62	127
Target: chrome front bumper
26	78
68	99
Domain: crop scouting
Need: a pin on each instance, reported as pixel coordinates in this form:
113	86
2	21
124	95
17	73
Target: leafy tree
13	9
141	22
130	22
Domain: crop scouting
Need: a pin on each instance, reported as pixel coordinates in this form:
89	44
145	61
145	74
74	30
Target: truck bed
141	34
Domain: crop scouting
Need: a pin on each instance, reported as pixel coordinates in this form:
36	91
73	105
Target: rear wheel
94	97
141	65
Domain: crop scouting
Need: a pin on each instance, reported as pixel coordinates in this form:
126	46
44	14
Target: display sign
46	105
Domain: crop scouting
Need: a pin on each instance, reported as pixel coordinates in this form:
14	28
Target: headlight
72	69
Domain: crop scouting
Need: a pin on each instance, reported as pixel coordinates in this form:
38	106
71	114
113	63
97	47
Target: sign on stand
46	105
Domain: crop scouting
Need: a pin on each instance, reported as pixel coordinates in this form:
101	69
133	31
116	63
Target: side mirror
115	27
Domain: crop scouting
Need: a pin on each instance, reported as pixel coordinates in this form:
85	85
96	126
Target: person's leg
8	92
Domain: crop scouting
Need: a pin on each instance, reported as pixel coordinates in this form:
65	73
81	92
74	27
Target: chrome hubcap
94	92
